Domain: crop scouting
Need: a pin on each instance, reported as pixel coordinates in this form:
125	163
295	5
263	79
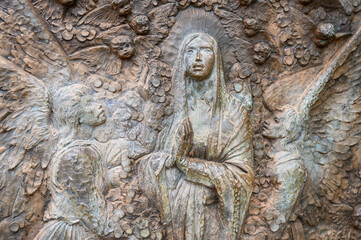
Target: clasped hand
182	144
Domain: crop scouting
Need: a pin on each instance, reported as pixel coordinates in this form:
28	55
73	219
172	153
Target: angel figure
294	145
77	169
107	57
201	177
109	14
33	137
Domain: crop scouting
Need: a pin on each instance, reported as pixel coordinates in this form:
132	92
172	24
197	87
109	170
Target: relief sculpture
201	178
180	119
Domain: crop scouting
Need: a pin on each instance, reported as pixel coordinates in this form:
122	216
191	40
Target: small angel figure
140	24
109	14
107	57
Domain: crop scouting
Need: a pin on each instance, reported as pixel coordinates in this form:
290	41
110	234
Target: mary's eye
191	51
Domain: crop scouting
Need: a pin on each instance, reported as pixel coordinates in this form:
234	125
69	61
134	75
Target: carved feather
99	58
104	14
24	137
159	18
232	22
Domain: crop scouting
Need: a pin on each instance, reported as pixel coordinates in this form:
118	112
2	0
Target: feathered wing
99	58
49	7
25	42
333	145
232	22
25	143
160	19
31	59
145	46
105	14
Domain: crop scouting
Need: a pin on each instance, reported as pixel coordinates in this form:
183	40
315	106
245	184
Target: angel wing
232	22
108	35
31	59
105	14
145	46
47	8
25	136
99	58
142	6
332	150
25	43
160	19
335	125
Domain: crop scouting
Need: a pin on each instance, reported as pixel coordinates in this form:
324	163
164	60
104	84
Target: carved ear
293	125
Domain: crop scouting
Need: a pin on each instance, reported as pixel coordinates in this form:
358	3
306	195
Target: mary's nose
198	56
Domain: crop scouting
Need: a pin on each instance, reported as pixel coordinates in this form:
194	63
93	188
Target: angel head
283	124
122	46
72	105
251	26
140	24
124	7
261	52
324	34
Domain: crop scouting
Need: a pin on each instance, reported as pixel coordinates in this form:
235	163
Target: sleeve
232	176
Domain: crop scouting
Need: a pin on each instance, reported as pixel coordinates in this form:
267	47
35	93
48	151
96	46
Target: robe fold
210	198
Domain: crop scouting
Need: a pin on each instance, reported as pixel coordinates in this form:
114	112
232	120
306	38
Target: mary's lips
198	67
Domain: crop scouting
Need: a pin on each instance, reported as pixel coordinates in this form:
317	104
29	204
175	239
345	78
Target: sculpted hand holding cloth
201	176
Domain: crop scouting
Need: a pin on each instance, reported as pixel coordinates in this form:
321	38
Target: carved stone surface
180	119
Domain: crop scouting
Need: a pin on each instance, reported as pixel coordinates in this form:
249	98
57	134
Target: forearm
196	171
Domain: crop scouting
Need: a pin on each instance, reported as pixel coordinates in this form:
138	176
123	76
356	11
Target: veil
181	91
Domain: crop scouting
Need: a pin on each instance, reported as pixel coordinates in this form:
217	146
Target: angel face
140	24
251	26
284	124
199	59
91	113
324	34
261	52
273	127
122	46
124	6
73	105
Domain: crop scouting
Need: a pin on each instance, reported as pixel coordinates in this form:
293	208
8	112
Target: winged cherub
107	57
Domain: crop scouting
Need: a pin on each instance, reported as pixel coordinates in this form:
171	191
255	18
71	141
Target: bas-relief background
191	119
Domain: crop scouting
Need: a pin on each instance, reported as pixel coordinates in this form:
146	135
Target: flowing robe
209	196
210	199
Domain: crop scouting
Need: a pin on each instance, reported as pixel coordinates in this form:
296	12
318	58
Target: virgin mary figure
200	177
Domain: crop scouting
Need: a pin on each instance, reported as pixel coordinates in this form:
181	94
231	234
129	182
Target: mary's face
199	59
